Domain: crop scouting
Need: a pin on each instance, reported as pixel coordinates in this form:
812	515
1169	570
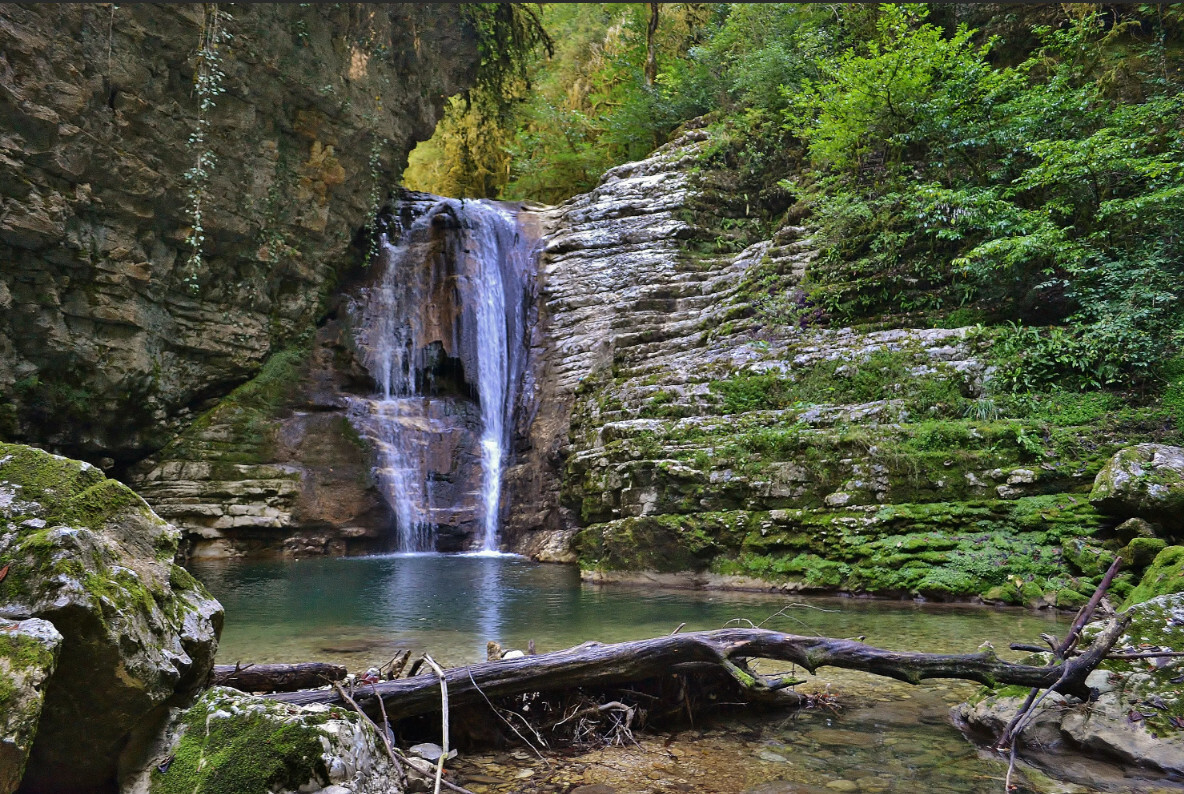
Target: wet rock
1133	722
139	634
262	745
1144	481
28	655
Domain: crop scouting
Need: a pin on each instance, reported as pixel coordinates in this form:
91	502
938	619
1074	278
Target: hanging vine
207	85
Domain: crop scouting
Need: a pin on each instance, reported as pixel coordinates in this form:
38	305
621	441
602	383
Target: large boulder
1144	481
232	742
28	656
139	633
1136	721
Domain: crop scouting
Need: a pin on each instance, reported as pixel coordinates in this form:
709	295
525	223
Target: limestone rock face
693	411
277	465
1130	723
261	745
28	656
139	633
1144	481
111	337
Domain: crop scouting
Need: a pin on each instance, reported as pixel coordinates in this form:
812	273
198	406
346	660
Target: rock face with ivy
138	633
698	418
111	331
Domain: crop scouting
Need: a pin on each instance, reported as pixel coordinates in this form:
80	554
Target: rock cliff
111	336
696	414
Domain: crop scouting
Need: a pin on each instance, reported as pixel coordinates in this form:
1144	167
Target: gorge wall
691	430
111	339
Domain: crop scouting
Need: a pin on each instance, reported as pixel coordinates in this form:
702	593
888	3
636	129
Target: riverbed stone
28	655
229	741
1143	481
1133	722
86	554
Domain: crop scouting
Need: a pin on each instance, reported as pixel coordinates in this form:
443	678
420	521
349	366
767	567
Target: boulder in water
1137	717
139	633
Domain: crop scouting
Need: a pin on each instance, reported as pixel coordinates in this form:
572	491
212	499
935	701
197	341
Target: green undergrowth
1008	551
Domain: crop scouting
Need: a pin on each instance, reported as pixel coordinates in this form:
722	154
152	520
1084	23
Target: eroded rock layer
697	414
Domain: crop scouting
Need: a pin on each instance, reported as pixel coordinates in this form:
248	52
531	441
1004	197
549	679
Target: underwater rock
138	632
28	655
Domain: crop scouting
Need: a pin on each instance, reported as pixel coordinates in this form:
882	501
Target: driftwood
277	677
723	651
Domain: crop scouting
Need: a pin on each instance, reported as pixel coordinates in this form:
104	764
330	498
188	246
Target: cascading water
443	323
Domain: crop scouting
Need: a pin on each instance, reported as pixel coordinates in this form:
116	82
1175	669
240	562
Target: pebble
769	755
595	788
842	785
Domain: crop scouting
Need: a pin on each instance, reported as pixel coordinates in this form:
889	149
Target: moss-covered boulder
28	656
1164	576
1136	719
139	633
232	743
1144	481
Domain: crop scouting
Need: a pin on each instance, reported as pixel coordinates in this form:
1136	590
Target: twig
509	724
443	718
386	742
679	628
1010	736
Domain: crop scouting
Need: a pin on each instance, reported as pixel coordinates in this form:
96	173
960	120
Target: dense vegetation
991	163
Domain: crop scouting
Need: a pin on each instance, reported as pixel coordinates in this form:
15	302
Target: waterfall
441	329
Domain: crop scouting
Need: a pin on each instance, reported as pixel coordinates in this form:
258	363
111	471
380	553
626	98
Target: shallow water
888	736
361	610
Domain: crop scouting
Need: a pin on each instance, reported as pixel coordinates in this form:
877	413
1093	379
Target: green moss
1164	575
249	412
256	751
1071	599
1141	551
19	652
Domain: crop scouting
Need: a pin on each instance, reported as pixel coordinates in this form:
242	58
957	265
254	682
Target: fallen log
725	650
277	677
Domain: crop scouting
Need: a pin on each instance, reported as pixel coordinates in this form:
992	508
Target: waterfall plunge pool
888	736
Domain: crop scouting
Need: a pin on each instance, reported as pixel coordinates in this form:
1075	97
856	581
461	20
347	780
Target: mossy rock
88	555
1141	551
28	655
1144	481
1164	576
232	743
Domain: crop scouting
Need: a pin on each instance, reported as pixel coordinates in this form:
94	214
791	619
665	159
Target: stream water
887	736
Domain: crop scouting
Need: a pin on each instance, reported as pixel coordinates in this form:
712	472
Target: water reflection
362	610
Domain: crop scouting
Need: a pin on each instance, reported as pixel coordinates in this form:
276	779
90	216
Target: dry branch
277	677
597	664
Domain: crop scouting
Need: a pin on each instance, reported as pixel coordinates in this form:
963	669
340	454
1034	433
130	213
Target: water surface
361	610
887	736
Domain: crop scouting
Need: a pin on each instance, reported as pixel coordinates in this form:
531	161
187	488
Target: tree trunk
726	650
277	677
651	48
